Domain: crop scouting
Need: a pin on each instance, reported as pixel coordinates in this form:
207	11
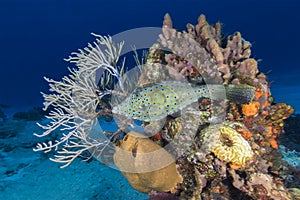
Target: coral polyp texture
195	119
227	144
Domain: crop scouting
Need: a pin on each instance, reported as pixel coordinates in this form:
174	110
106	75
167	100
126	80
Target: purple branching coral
184	46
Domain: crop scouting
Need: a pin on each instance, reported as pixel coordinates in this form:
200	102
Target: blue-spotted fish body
154	102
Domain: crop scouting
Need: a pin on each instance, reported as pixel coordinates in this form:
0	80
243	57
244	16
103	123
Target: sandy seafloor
25	174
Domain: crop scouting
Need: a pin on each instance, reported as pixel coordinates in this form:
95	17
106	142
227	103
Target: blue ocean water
36	36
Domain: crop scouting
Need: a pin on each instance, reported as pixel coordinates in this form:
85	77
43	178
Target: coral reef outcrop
174	141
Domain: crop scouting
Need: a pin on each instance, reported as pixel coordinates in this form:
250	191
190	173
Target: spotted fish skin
155	102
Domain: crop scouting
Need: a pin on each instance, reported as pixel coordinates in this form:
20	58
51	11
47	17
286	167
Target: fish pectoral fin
156	112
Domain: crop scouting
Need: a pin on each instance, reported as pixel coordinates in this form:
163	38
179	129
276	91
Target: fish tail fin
240	94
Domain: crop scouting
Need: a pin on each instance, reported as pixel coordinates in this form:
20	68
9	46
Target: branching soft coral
75	100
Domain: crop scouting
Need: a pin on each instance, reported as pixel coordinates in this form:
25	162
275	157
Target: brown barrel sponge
146	165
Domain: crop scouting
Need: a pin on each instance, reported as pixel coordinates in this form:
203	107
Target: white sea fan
75	100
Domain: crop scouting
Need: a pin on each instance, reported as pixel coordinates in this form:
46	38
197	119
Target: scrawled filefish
154	102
